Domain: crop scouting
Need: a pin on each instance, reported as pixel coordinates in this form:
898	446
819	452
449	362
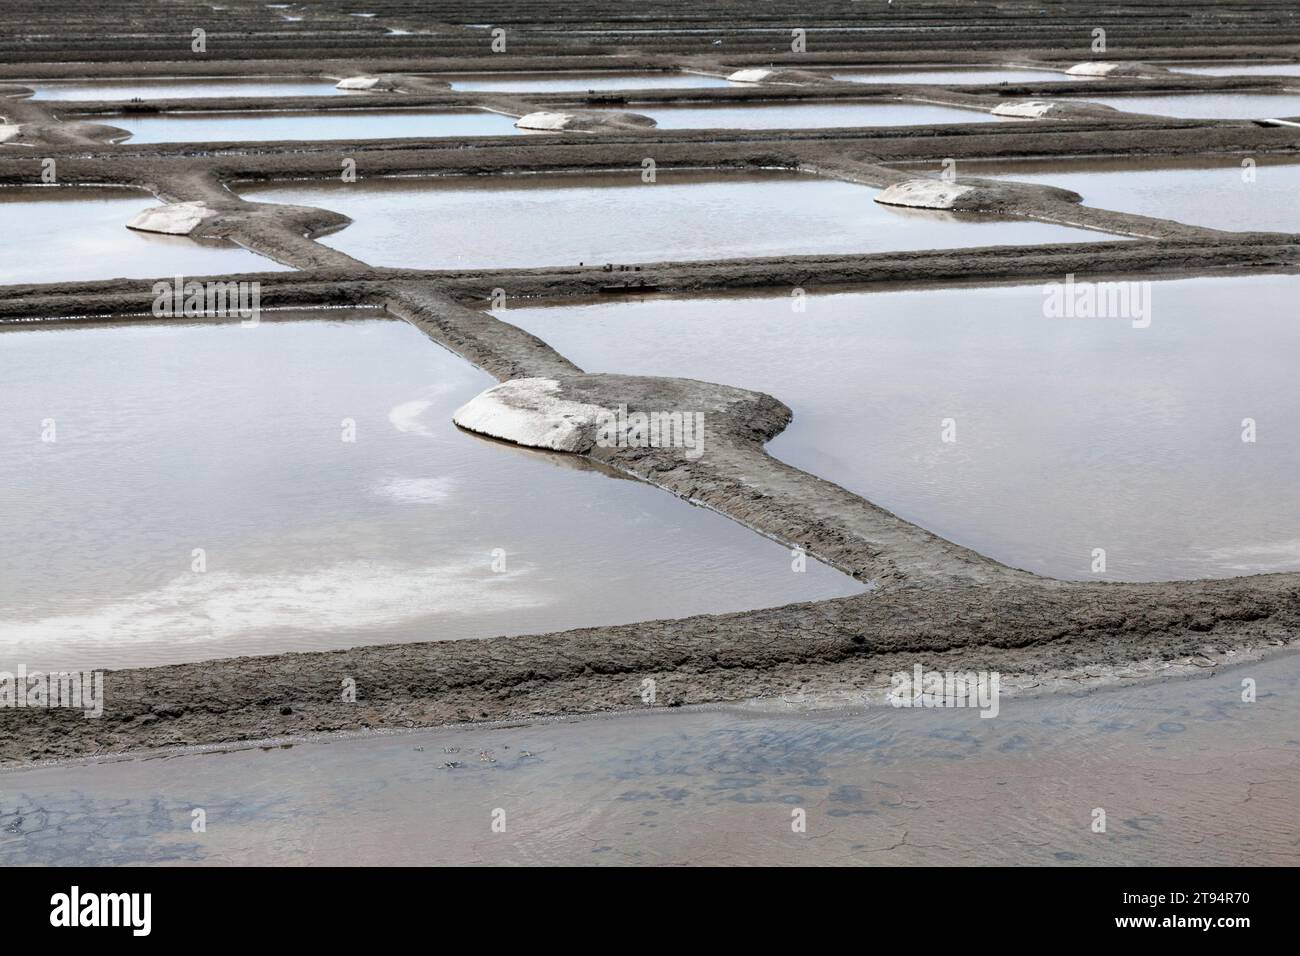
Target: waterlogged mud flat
616	217
1219	193
577	82
286	125
232	440
176	88
1208	105
1071	434
809	115
970	75
880	785
67	234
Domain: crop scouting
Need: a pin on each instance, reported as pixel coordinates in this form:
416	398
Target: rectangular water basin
1208	105
1220	193
959	75
1239	69
557	82
808	115
313	469
563	219
68	234
277	126
179	88
1068	434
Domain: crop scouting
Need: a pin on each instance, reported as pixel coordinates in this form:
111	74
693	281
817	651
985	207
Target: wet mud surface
1186	772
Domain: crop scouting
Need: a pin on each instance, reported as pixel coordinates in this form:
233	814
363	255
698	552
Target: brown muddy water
1221	193
201	499
179	87
58	234
808	115
1069	434
555	82
1186	772
562	219
274	126
1208	105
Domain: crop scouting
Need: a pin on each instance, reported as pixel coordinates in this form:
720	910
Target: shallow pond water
542	220
711	786
556	82
1219	193
179	87
965	75
77	235
808	115
1208	105
235	440
1070	434
1243	69
275	126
